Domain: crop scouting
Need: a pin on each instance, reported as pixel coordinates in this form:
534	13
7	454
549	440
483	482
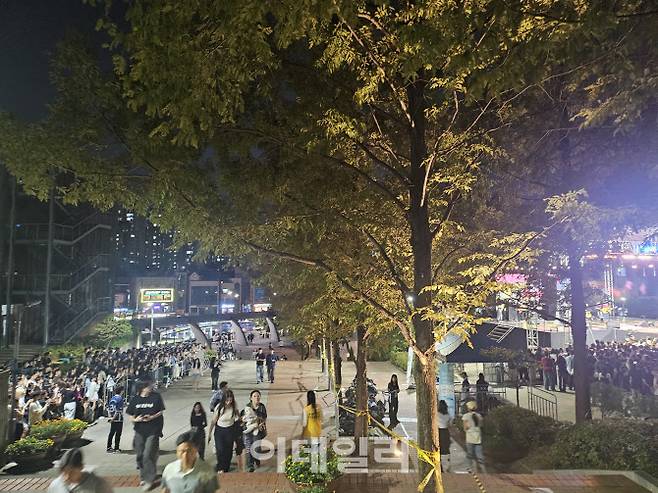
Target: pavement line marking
406	435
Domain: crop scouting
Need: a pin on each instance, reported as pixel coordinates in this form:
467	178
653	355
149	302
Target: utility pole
49	262
152	312
8	324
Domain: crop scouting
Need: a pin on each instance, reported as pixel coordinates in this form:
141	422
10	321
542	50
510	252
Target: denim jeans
249	440
147	449
476	456
259	373
549	380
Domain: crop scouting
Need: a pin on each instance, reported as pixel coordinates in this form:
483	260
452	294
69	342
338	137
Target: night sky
29	31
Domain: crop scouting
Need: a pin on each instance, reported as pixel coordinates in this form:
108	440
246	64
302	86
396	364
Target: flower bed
29	449
299	471
58	429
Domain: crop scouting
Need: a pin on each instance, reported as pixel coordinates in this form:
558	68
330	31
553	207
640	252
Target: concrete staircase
25	352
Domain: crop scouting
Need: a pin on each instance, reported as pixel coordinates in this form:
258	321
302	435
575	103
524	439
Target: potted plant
300	472
54	429
74	429
29	450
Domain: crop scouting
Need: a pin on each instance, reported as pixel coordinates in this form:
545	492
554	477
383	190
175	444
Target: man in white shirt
473	428
569	360
188	474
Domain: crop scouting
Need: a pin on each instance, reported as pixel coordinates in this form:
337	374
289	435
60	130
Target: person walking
195	373
254	417
393	391
473	428
260	363
270	362
218	396
189	473
222	429
198	422
214	372
444	435
145	411
115	416
73	478
311	419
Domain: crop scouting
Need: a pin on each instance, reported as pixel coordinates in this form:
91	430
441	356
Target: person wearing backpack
115	416
473	428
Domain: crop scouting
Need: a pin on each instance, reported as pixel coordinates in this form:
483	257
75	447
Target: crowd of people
632	366
122	385
50	386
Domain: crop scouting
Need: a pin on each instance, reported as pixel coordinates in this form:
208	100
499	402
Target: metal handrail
544	405
63	332
61	232
493	397
63	282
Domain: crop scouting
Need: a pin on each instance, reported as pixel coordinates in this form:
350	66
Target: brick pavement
383	483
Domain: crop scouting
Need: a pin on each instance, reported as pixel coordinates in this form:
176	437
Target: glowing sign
160	295
649	248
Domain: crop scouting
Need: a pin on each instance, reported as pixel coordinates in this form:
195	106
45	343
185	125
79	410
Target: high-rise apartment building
143	249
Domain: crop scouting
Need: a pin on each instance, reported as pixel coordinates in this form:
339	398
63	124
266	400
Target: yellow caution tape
433	458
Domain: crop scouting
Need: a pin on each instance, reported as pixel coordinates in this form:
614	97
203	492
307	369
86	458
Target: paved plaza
284	400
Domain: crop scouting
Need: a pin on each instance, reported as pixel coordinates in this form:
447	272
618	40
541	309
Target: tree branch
402	286
381	162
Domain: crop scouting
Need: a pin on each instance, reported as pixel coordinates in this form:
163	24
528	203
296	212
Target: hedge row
511	433
399	359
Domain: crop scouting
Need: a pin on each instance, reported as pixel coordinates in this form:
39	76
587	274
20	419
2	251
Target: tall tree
316	121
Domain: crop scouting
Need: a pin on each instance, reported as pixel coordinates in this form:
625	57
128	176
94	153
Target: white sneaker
147	487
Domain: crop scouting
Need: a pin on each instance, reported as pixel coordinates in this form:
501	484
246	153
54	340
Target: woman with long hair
254	417
195	372
198	422
393	391
444	435
311	418
223	425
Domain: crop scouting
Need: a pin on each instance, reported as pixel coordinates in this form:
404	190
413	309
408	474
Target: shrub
511	432
614	401
28	446
608	398
75	426
316	488
57	427
399	359
616	444
49	429
300	473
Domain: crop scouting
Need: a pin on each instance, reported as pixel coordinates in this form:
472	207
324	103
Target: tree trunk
338	363
361	422
421	245
579	333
